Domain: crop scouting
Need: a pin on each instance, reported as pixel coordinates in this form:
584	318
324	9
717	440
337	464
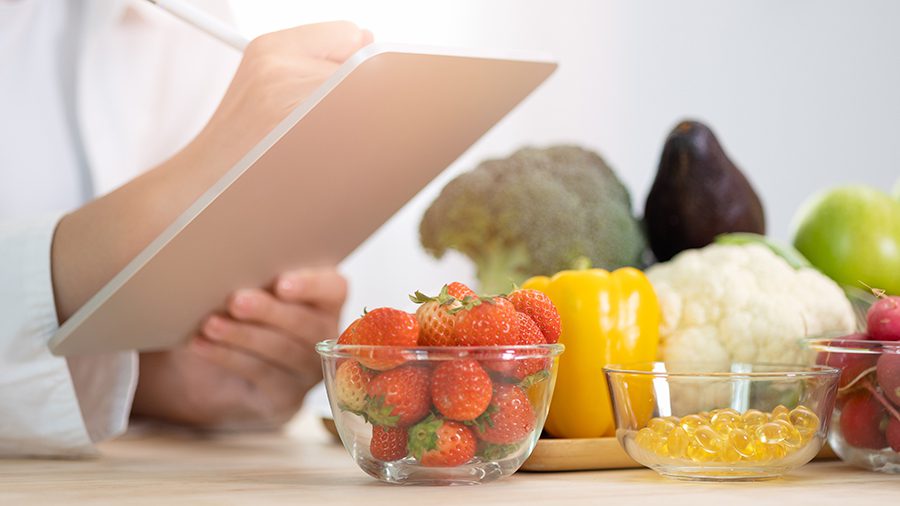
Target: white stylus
203	21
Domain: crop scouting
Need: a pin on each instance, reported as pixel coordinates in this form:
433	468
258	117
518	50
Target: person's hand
251	367
277	72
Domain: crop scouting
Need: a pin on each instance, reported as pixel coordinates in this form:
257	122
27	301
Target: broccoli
534	213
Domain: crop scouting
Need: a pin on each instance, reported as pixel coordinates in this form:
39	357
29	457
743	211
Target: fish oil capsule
708	439
726	420
661	425
781	413
697	453
691	423
770	433
754	418
792	437
806	422
674	419
704	415
645	438
742	443
677	442
775	452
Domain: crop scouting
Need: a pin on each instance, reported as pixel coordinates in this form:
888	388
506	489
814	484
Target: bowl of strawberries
455	393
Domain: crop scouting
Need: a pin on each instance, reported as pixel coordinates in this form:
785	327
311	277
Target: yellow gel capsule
742	443
673	419
770	433
754	418
781	413
697	453
677	442
645	438
726	420
691	423
791	436
704	415
806	421
775	452
660	425
729	455
708	439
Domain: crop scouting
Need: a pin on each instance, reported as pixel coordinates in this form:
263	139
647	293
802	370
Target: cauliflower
729	303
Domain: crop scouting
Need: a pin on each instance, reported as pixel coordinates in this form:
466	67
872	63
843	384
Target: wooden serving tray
592	453
579	454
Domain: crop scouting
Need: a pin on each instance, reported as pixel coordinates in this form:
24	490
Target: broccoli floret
534	213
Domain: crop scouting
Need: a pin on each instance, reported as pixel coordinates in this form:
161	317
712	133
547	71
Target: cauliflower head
743	303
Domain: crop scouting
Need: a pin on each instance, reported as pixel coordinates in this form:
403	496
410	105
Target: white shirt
92	93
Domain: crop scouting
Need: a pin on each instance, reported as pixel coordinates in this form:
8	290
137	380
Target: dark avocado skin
698	194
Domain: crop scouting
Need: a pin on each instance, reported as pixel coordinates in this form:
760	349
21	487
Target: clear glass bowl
866	428
504	366
705	422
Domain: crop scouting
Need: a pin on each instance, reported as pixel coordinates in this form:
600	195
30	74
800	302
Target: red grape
883	319
888	373
893	434
861	419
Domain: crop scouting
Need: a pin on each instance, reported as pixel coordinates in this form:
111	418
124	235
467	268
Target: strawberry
509	419
350	382
460	291
383	327
399	397
441	443
388	443
519	369
541	309
460	389
349	334
486	322
435	318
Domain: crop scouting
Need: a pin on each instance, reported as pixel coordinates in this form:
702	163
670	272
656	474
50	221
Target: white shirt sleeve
50	406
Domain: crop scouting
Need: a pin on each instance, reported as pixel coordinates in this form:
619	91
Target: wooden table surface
303	466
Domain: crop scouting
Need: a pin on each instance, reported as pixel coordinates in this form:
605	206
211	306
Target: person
108	134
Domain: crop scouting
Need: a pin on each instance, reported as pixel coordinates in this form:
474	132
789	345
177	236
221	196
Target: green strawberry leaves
484	420
534	379
423	436
379	413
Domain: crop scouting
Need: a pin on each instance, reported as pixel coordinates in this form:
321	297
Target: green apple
852	234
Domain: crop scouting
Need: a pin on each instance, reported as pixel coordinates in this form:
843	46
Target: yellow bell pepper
607	318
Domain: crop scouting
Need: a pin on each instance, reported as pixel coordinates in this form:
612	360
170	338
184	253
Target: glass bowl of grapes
866	427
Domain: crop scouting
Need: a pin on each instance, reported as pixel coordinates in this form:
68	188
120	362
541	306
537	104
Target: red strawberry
399	397
349	335
460	291
541	309
388	443
441	443
350	382
460	389
519	369
486	322
435	319
384	327
509	419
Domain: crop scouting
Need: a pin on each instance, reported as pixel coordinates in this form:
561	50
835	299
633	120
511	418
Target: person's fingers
250	368
305	322
266	343
323	288
334	40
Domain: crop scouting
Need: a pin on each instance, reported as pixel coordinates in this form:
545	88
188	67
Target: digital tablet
327	177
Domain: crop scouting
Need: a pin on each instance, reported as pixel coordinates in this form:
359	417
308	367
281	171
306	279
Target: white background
802	94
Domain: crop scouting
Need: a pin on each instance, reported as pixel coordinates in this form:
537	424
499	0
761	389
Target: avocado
698	194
